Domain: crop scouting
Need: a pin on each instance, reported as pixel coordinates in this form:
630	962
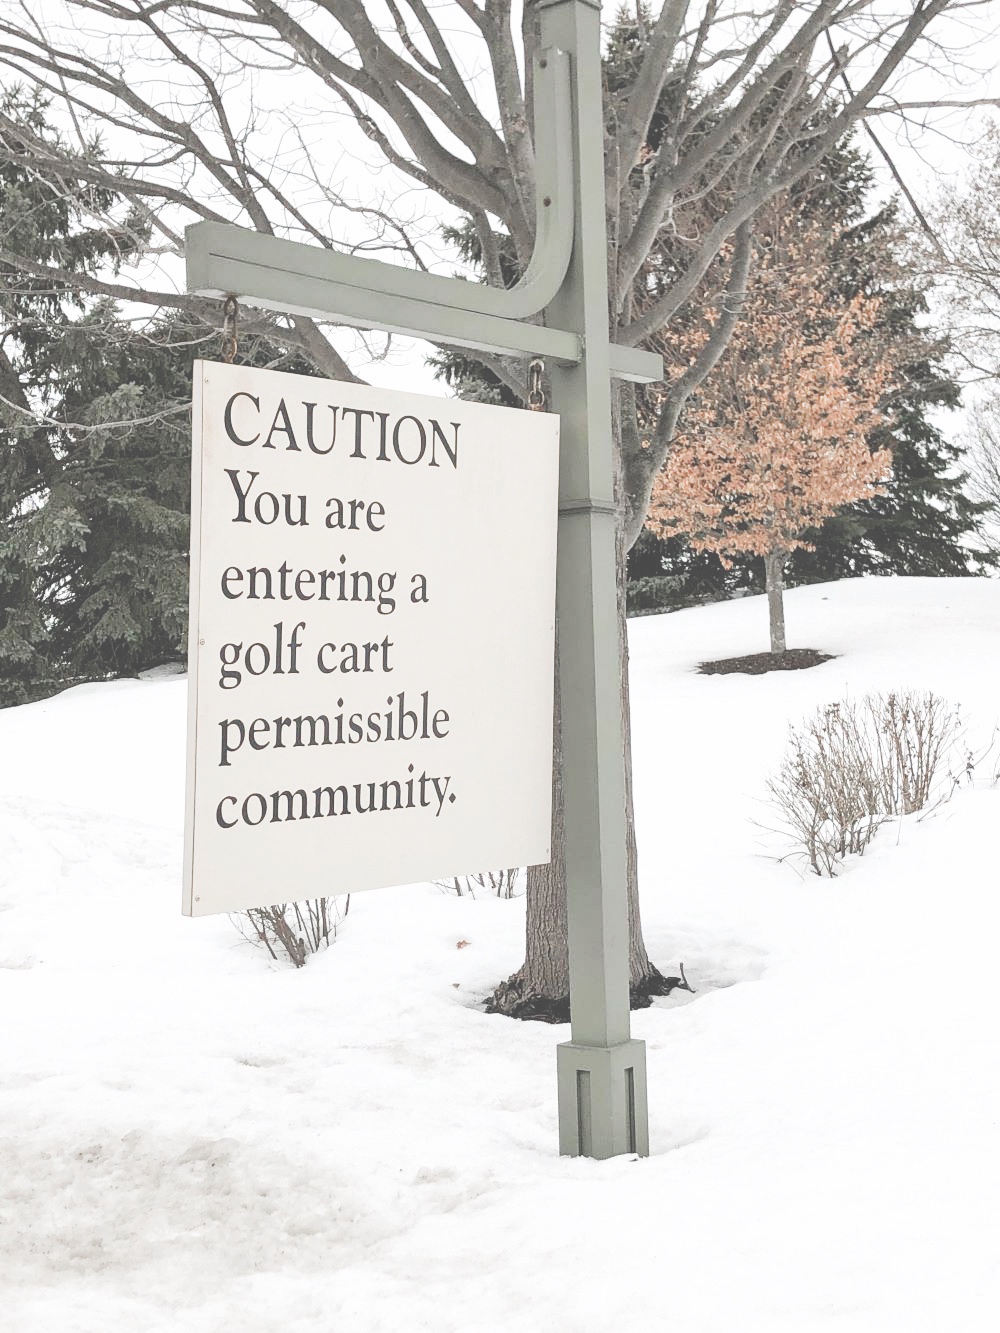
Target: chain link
230	329
536	394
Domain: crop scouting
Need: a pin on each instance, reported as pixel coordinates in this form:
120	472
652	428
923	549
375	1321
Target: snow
195	1138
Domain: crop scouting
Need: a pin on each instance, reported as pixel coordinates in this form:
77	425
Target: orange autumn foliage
776	442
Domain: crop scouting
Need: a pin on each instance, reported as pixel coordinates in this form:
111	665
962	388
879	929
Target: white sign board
371	638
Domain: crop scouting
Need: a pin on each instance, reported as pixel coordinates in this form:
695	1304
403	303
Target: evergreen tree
41	219
924	522
95	448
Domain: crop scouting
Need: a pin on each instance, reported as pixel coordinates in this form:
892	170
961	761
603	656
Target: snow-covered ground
194	1138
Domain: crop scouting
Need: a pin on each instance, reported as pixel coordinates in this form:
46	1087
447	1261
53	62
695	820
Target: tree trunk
645	980
540	987
774	581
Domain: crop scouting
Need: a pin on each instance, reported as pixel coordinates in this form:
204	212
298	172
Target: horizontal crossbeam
632	363
298	279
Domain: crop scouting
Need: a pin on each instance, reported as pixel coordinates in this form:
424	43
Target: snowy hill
197	1139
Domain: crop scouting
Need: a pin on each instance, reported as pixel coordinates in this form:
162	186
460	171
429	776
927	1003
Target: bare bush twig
295	929
502	883
852	766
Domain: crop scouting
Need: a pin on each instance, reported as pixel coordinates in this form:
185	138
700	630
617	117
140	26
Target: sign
371	638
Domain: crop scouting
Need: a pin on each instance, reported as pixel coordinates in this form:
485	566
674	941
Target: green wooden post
601	1071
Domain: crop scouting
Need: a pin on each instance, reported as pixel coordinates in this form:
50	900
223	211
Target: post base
602	1100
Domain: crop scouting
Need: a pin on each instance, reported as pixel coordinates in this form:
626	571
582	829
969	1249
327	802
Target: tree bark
540	986
774	581
645	980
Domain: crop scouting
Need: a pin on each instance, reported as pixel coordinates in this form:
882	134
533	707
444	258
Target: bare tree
959	250
983	442
237	110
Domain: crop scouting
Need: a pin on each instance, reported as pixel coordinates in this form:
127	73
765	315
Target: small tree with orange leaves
776	441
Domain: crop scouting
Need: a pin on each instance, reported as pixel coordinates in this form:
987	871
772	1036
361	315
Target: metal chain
536	394
230	329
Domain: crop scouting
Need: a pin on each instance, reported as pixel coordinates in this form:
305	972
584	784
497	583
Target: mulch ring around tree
510	997
756	664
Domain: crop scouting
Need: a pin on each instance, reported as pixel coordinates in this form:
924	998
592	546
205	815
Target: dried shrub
503	883
854	764
294	930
